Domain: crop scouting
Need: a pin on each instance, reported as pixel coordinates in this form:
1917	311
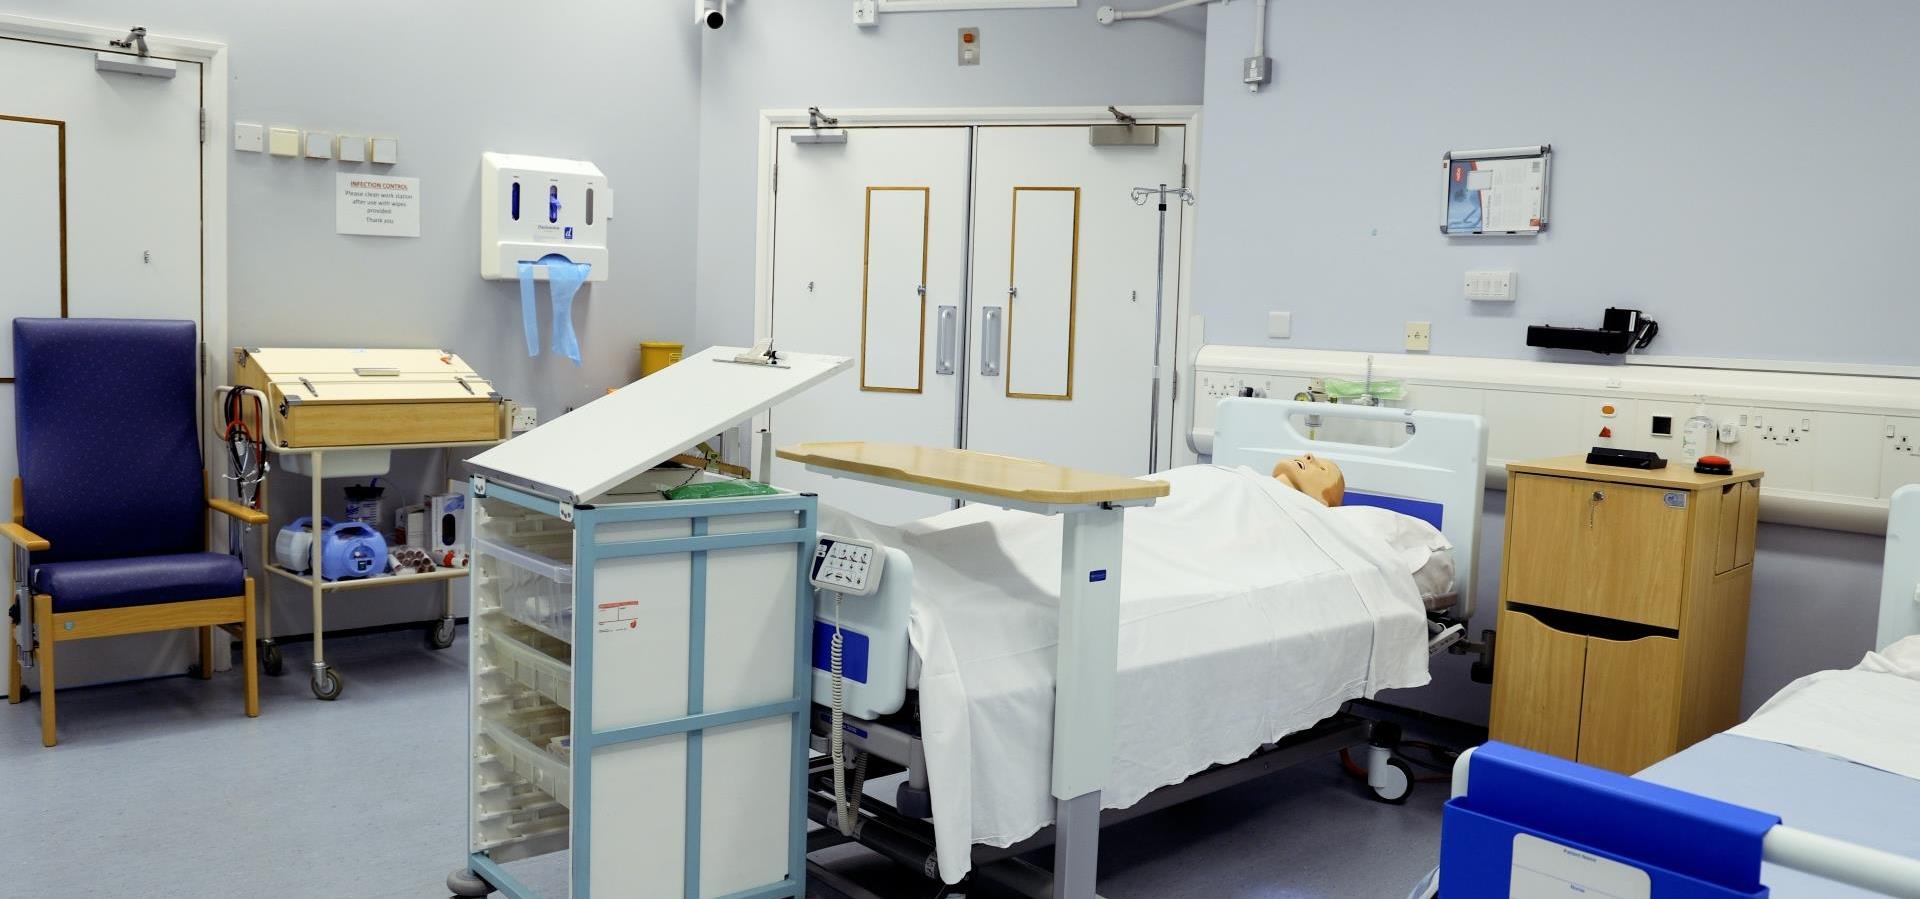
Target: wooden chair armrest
235	510
23	538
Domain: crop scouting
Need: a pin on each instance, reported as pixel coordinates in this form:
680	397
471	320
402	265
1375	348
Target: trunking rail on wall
1835	447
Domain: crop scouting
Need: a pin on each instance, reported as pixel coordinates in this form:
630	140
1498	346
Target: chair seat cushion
140	581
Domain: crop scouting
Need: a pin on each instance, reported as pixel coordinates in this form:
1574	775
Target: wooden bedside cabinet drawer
1630	710
1611	550
1537	684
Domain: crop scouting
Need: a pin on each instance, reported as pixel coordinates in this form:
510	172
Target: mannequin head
1315	477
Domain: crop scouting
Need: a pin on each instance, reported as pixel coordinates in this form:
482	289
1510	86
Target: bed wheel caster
913	803
464	883
440	634
271	663
1388	778
326	684
1393	784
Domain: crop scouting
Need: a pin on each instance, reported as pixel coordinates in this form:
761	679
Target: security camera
711	13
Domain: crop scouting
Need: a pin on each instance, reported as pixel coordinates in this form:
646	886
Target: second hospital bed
1250	615
1812	796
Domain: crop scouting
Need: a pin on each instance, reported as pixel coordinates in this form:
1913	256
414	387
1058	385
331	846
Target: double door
997	285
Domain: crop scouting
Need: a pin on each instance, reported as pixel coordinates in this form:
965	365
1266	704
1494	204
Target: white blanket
1248	612
1869	715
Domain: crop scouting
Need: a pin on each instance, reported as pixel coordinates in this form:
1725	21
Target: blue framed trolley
640	665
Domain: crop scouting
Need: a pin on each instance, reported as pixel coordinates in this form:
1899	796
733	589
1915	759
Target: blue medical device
1533	825
348	549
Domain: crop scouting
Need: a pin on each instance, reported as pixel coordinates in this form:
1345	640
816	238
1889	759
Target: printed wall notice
379	205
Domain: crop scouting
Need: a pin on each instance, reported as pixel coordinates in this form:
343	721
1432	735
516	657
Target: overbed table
1092	506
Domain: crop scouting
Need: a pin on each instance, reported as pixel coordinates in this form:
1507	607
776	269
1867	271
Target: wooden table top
985	474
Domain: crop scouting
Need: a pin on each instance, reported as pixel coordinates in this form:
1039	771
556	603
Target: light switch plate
283	141
969	44
319	145
1492	284
352	148
1420	336
1279	324
386	150
249	137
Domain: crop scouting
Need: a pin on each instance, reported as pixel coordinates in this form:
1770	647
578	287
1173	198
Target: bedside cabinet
1623	609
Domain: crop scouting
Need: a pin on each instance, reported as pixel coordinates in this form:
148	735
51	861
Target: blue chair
110	509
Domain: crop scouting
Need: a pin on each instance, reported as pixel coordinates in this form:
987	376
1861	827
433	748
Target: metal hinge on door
203	124
1183	174
776	177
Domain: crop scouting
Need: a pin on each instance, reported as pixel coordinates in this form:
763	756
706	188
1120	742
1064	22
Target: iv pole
1140	197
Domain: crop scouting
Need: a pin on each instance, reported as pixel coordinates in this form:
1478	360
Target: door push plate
990	342
947	339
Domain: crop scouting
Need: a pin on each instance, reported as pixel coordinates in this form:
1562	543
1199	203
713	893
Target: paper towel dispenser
534	206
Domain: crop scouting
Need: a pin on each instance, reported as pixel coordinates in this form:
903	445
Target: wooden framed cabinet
1623	609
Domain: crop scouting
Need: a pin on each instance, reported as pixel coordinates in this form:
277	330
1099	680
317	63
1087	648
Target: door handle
990	342
947	317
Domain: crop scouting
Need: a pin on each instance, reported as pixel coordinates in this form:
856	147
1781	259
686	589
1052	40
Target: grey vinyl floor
164	789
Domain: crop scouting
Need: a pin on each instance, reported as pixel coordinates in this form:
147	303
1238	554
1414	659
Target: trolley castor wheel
466	884
440	634
193	670
271	664
326	684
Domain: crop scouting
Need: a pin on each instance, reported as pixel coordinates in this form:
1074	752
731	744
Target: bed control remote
847	566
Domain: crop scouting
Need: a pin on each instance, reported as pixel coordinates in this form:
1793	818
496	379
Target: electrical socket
523	419
1420	336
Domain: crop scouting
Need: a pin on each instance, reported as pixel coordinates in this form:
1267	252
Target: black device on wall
1620	330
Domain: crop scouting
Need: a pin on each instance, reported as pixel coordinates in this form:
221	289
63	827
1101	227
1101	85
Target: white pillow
1427	553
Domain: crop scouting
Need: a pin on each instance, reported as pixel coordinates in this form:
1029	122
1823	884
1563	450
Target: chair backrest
104	418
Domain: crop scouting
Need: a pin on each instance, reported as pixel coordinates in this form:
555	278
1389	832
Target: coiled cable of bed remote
846	811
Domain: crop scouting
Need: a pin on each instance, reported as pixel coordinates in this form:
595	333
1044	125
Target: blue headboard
1438	474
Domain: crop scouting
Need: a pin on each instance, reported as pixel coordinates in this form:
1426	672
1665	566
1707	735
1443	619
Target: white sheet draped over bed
1248	612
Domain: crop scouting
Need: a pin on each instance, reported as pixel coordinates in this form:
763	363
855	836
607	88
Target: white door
100	187
870	242
1061	353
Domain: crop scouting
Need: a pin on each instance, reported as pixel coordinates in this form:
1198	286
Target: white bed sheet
1249	612
1869	715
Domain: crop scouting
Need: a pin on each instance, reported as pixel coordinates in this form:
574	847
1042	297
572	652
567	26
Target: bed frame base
909	841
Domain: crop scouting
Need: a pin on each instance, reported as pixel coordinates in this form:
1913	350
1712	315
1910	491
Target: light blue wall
792	54
1737	170
612	81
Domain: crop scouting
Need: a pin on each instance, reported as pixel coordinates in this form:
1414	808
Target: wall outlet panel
1490	285
1834	447
1419	336
1280	324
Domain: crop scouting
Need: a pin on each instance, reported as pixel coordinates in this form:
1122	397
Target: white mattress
1868	715
1249	612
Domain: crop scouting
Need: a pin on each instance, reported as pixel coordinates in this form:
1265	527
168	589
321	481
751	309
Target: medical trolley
640	665
341	413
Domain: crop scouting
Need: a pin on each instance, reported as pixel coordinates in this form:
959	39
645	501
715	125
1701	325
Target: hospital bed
1813	796
962	599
